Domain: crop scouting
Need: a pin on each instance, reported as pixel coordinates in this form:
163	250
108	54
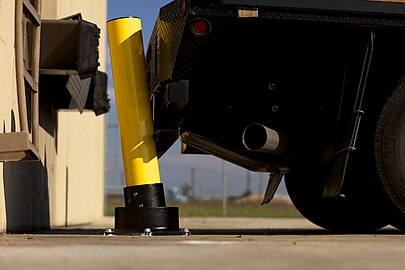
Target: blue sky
146	10
175	169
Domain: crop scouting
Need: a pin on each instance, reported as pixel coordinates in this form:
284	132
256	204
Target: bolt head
271	86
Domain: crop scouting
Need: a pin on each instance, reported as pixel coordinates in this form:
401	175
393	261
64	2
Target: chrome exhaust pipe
259	138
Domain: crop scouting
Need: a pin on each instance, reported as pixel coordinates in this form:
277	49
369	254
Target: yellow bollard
145	206
132	100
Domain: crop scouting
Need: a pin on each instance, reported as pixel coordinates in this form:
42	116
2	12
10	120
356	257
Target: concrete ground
214	243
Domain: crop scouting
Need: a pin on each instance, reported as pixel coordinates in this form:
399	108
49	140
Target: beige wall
8	90
67	185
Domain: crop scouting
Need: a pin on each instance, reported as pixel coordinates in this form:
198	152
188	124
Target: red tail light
183	6
200	27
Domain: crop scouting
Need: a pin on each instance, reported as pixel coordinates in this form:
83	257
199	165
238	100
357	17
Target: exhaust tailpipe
259	138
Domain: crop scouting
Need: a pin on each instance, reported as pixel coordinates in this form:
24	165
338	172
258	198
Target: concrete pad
215	243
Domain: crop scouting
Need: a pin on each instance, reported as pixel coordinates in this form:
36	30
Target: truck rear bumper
309	53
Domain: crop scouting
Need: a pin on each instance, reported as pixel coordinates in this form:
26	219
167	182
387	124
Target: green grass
246	209
109	209
213	208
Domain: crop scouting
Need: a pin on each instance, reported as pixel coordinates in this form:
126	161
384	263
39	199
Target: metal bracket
274	182
335	181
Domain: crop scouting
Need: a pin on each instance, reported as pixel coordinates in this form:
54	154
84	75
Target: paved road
215	243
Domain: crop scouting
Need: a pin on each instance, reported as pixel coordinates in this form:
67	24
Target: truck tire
389	147
351	211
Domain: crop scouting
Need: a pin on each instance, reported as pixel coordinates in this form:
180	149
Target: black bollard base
145	212
153	218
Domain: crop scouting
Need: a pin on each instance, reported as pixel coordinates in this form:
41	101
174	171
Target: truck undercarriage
308	90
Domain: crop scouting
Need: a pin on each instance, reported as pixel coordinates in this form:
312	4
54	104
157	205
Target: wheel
353	210
361	204
389	147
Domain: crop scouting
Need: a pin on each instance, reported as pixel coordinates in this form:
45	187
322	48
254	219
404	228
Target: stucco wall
67	186
8	101
83	165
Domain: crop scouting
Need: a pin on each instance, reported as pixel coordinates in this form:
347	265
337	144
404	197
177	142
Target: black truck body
309	90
